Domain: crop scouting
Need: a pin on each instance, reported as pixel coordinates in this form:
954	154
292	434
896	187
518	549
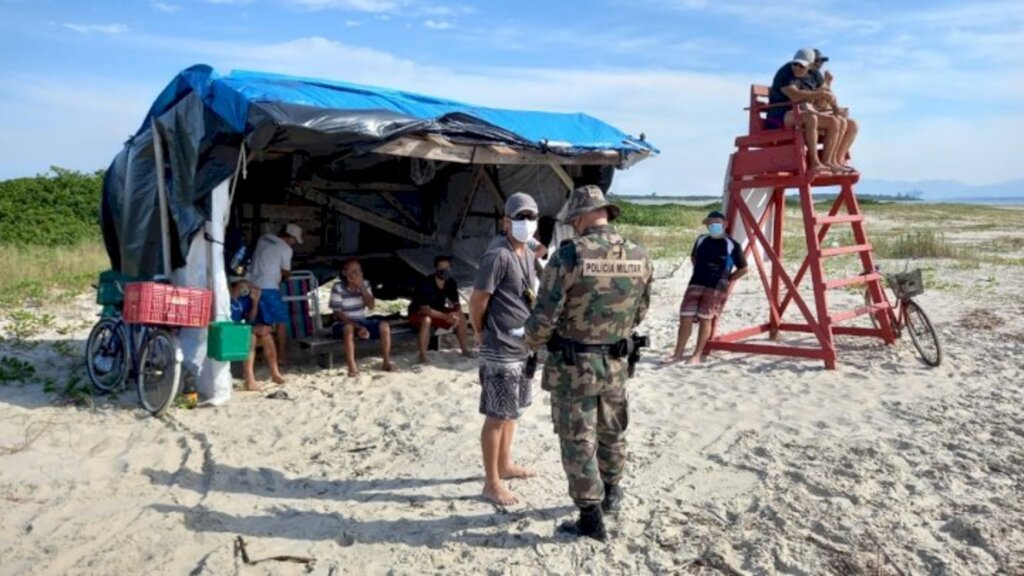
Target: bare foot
673	359
253	387
694	360
423	360
468	354
516	471
387	367
498	494
277	378
353	373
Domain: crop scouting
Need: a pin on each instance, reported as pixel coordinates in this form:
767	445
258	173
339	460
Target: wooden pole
165	238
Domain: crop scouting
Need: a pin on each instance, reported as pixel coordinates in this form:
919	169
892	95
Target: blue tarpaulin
232	96
204	120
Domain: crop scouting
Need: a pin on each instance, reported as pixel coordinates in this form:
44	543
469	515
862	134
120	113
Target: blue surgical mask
716	228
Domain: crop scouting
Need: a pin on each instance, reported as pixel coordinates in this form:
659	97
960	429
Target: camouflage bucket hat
587	199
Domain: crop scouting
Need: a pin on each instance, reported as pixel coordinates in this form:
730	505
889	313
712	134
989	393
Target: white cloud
436	25
96	28
372	6
692	116
353	23
164	7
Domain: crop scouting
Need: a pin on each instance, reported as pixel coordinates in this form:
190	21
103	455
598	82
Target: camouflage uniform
595	290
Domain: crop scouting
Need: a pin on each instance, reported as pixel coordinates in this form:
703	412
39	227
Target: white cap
294	231
804	56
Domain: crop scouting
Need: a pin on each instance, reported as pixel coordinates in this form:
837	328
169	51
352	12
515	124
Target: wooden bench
326	345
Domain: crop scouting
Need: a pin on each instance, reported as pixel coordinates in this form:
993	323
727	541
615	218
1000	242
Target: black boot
591	524
612	499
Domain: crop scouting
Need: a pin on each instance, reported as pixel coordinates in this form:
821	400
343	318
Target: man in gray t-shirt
499	306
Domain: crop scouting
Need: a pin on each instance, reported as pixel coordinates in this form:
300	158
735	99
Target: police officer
594	292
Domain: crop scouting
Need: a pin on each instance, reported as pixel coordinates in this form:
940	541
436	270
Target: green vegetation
49	235
33	272
667	215
914	244
15	370
898	231
60	208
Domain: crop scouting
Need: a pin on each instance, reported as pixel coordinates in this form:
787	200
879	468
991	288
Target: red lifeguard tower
776	160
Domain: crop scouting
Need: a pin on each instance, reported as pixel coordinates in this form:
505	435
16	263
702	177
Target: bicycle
906	312
117	352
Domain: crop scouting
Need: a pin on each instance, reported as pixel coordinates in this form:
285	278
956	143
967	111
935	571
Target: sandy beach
747	465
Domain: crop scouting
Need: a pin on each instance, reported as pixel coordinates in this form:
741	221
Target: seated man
792	85
351	297
848	127
245	299
436	305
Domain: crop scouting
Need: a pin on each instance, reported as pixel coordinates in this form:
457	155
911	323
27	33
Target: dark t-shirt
812	81
440	299
506	276
785	77
713	263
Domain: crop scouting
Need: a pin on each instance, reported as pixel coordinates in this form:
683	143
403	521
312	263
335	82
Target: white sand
748	465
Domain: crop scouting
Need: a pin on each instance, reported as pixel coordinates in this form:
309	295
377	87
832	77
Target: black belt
592	348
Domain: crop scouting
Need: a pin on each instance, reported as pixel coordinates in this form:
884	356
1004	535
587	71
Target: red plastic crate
153	303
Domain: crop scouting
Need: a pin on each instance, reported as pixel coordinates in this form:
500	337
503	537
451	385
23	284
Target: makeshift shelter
389	176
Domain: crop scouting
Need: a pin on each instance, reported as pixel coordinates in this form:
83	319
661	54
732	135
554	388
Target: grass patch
34	273
662	243
914	244
665	215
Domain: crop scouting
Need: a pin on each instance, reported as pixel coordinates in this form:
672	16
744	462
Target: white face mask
523	230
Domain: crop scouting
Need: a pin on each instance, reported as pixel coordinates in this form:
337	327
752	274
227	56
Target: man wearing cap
791	85
502	297
848	127
717	262
272	263
594	292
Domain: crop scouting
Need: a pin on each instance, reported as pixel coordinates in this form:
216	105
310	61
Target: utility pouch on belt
565	347
531	366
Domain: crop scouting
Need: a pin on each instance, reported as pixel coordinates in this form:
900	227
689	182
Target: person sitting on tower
792	84
717	262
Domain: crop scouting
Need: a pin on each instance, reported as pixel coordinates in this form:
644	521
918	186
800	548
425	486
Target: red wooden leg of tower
778	207
868	261
825	337
804	266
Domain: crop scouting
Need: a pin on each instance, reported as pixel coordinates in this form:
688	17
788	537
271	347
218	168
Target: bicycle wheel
106	360
922	333
159	371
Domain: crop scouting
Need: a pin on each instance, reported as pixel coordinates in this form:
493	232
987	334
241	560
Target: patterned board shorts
504	390
702	302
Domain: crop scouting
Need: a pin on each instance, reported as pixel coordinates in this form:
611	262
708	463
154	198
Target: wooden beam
361	214
321	184
486	154
503	150
489	183
401	209
439	140
563	176
478	174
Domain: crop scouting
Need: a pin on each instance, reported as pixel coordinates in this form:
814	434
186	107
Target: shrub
59	208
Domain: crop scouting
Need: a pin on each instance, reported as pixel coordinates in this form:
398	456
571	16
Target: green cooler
228	341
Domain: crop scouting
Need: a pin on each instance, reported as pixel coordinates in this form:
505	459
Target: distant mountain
942	189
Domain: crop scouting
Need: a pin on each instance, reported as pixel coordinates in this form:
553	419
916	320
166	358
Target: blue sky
938	87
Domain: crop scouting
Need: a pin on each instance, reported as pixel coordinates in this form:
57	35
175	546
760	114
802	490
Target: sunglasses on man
525	216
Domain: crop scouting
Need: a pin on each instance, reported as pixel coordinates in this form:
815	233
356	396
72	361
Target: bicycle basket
906	284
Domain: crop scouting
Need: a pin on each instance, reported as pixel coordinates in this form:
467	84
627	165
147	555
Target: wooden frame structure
776	159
